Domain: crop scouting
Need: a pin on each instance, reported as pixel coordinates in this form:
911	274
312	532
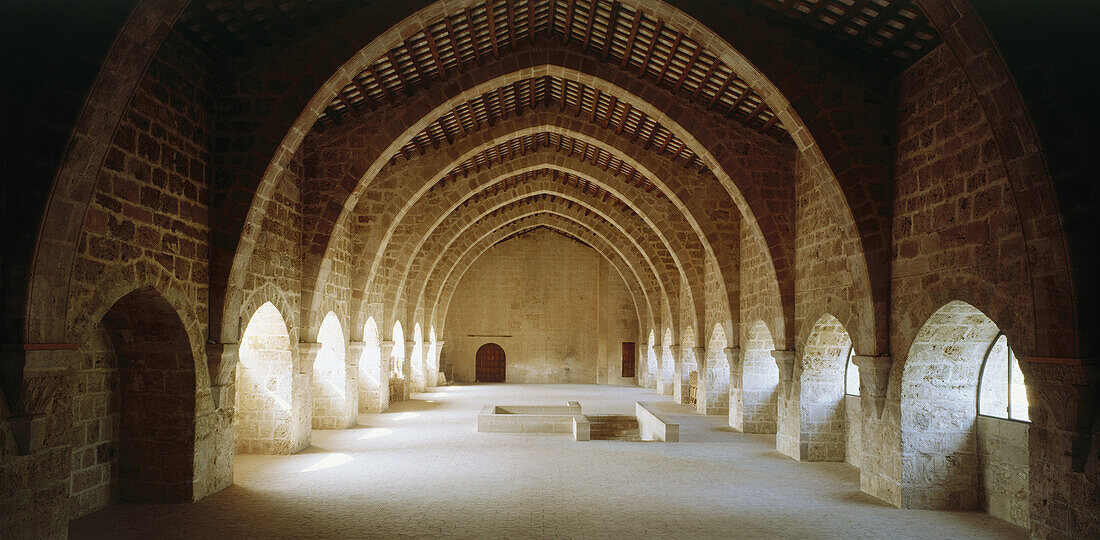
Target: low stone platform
644	425
528	418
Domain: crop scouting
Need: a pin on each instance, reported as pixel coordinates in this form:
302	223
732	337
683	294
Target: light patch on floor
429	474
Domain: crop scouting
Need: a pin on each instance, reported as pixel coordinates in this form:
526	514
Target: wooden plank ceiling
894	32
566	95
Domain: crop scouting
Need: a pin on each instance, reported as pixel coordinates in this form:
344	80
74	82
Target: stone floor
421	470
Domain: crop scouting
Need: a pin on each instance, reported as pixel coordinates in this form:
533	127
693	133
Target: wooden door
490	363
628	360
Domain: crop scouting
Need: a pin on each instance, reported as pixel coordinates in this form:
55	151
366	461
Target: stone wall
148	217
539	297
753	404
94	483
853	430
1004	474
618	316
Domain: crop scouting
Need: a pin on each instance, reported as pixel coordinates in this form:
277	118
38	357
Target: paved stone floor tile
421	470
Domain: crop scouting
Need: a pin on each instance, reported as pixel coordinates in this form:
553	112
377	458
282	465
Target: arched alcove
398	378
811	418
370	369
652	368
668	364
713	397
753	405
951	457
264	420
334	403
417	364
434	377
689	365
134	408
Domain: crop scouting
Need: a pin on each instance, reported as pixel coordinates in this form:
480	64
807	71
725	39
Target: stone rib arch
642	278
778	246
699	216
677	235
637	234
645	295
810	422
472	238
541	183
571	66
674	170
664	279
453	276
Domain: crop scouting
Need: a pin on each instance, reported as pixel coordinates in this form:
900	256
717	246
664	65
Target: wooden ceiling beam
491	19
381	83
435	53
531	92
595	106
901	37
652	45
722	90
630	39
610	110
363	92
665	145
473	115
759	107
454	44
888	12
611	23
812	15
500	103
569	10
515	94
588	28
741	99
622	121
344	99
687	68
855	9
771	122
511	11
530	21
473	36
397	70
415	62
551	15
671	55
703	82
458	122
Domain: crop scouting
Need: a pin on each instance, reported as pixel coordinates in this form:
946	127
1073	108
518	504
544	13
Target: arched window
1001	391
851	374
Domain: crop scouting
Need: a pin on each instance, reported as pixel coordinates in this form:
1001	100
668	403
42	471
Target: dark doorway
628	360
490	363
